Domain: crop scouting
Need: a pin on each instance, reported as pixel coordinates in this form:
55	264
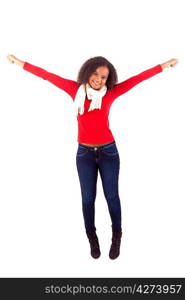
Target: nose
98	78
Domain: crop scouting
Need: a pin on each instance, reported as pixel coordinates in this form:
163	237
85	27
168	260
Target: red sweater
93	126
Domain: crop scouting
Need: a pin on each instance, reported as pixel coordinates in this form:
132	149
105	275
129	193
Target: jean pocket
110	150
81	151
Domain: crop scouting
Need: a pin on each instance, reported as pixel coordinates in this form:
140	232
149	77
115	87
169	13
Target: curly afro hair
91	65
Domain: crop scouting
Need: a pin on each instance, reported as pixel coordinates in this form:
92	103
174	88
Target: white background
42	229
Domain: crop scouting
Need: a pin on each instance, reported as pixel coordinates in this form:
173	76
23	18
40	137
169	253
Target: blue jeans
88	161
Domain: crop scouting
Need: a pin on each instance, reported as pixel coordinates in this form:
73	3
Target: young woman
93	94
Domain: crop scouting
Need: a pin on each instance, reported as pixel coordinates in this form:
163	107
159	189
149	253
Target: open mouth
97	84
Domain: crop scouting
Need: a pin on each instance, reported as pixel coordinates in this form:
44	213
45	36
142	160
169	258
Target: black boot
94	244
115	246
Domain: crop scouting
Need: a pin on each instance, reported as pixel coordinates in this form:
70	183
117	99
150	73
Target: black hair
91	65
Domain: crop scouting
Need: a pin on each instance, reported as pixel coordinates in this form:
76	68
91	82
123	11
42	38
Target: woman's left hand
170	63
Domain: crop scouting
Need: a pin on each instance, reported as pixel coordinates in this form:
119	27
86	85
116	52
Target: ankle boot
94	244
115	246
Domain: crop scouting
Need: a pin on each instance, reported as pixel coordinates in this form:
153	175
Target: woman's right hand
12	59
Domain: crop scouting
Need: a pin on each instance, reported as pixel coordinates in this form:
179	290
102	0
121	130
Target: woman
93	93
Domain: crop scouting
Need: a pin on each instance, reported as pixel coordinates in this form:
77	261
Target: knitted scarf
94	95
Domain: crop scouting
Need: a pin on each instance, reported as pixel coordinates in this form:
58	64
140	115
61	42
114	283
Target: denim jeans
88	161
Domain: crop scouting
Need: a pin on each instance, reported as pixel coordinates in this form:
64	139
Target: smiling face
99	77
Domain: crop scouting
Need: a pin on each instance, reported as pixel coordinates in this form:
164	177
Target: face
99	77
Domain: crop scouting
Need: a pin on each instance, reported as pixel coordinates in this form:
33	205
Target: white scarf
92	94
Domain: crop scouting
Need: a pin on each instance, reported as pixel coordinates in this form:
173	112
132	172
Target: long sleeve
69	86
126	85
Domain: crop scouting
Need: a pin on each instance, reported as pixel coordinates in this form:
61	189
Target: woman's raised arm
128	84
69	86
